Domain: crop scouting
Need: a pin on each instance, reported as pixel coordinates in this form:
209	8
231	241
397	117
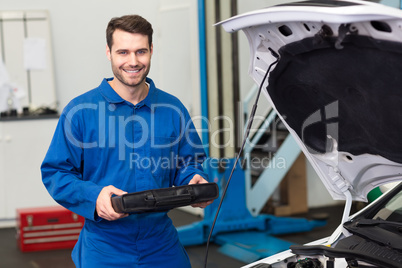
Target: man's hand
196	180
104	204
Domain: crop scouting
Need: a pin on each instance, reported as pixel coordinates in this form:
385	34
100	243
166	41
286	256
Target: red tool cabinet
47	228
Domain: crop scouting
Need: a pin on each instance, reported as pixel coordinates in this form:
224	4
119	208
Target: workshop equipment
241	235
46	228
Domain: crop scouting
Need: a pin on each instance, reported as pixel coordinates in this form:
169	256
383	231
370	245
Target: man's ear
108	52
152	48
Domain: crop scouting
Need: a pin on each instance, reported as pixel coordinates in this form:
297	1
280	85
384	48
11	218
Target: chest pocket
162	155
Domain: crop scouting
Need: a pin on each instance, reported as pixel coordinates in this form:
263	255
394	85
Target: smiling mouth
132	71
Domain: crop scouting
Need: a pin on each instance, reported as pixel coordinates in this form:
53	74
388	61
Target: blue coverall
102	140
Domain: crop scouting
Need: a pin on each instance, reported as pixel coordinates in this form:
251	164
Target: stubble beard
117	74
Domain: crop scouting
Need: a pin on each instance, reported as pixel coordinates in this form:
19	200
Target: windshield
392	210
382	224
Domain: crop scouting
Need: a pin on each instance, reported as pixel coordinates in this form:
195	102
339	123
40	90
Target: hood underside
337	85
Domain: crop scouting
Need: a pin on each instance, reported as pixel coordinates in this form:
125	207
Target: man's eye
122	52
141	52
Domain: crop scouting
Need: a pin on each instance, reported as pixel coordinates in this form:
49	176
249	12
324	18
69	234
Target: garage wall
78	35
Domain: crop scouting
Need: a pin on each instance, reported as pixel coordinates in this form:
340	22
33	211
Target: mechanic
126	135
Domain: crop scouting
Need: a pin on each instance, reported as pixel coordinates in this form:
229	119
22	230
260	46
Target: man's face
130	56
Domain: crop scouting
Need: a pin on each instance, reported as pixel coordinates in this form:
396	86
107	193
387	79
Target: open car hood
337	86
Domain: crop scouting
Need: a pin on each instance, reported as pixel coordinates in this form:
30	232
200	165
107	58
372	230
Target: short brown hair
131	24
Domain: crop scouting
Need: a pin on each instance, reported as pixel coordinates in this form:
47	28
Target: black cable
250	122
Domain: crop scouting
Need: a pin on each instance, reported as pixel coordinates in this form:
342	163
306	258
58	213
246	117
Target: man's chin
131	83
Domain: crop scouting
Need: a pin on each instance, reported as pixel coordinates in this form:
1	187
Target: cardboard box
293	190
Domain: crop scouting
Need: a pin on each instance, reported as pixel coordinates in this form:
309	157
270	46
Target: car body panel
357	29
335	83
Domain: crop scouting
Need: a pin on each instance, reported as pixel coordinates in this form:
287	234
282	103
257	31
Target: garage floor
11	257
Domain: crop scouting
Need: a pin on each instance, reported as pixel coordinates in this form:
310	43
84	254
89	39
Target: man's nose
133	59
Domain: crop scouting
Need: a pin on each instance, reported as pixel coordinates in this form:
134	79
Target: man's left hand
197	179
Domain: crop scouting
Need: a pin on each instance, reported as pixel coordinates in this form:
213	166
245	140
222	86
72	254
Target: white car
336	82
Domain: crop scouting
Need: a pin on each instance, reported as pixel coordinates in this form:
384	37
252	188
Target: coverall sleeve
191	154
62	171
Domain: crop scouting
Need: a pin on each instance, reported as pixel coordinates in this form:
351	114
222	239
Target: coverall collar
112	97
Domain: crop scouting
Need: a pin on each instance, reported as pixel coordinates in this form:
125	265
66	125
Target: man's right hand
104	204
